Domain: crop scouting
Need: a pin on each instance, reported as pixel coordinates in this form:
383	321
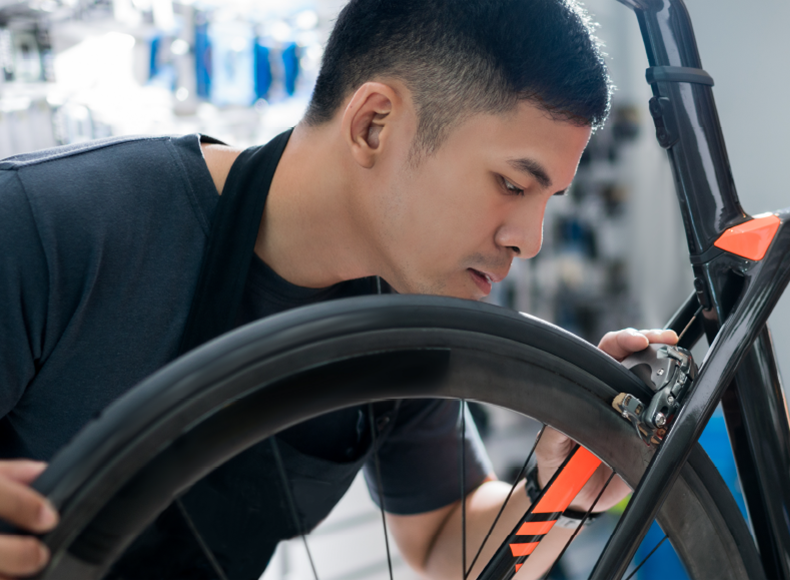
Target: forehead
525	132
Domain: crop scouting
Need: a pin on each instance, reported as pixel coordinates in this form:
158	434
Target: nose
522	232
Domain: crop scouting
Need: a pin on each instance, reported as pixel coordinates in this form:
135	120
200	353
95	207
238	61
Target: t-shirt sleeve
24	291
420	459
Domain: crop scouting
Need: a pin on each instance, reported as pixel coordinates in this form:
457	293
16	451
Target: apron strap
231	243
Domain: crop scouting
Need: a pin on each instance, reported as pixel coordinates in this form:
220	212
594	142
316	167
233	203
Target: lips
482	275
484	280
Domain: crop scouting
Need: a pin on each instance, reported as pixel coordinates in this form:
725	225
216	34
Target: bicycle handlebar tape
541	516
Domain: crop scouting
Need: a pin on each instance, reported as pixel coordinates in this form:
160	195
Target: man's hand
25	508
554	446
621	343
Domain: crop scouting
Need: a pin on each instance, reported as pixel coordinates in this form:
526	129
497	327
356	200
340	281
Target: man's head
461	57
451	124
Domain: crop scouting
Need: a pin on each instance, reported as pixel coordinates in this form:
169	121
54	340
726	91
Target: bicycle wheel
175	427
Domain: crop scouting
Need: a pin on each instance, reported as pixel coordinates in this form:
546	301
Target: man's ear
367	121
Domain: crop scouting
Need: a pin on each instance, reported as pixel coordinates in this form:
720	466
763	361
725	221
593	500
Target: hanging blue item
202	57
232	63
263	70
161	69
153	62
291	68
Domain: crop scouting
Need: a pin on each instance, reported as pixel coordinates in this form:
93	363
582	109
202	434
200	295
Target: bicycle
165	434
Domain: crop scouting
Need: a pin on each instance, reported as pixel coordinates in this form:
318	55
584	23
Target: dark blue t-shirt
101	248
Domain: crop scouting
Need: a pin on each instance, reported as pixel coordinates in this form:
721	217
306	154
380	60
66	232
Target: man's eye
511	188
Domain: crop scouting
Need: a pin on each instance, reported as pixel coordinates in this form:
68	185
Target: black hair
460	57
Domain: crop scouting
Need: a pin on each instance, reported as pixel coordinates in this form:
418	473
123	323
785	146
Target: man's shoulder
106	147
131	179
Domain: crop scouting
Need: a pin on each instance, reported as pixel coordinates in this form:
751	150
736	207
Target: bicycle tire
129	463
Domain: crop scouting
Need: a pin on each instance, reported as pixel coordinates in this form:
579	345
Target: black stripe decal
545	517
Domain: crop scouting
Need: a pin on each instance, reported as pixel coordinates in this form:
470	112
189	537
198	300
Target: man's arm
24	287
431	542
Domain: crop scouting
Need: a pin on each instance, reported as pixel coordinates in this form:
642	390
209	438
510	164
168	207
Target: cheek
458	198
438	217
449	216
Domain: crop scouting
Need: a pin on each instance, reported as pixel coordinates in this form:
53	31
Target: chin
437	288
464	293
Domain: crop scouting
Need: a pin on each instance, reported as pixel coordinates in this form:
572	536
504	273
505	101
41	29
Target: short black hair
460	57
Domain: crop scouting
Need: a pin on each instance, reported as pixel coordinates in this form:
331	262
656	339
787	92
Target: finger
25	507
22	470
22	555
660	335
622	343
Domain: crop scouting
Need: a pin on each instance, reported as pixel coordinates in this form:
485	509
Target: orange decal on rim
564	485
569	482
750	239
535	528
523	549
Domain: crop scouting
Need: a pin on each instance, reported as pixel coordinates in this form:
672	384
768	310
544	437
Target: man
437	133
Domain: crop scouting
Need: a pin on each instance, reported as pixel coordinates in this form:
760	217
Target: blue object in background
202	58
577	236
161	71
716	443
232	63
263	70
291	68
153	61
665	563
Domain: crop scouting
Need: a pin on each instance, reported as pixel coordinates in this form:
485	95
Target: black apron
241	509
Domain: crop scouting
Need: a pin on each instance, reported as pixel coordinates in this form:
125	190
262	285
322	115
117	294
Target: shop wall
745	47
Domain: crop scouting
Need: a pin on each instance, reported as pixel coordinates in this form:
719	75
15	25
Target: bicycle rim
175	427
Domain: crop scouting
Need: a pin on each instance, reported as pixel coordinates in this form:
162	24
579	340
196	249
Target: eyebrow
533	168
536	170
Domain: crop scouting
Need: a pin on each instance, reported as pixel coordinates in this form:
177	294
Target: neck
310	233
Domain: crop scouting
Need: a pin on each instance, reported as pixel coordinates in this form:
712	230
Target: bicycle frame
731	304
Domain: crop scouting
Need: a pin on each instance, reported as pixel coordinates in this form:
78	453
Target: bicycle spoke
581	523
653	551
518	478
291	503
201	542
462	464
379	486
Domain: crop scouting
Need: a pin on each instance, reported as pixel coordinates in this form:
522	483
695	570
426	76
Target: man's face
453	224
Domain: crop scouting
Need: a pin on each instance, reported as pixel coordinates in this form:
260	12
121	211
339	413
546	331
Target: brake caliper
668	371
